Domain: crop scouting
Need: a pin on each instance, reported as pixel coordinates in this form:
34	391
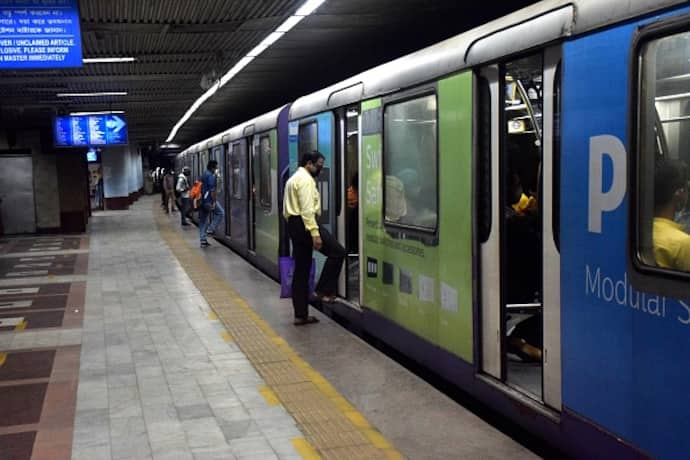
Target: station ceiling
181	46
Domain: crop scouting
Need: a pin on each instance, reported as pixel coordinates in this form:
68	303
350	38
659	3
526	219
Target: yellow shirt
303	199
671	245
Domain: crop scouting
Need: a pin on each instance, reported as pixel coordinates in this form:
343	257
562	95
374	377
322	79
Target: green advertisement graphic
425	288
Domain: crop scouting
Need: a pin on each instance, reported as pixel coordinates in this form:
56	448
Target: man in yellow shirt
301	207
671	243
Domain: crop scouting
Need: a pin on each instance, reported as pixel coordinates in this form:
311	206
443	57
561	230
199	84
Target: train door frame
234	202
251	195
342	226
491	252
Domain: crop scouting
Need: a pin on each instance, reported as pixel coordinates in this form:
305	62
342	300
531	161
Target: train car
503	196
249	187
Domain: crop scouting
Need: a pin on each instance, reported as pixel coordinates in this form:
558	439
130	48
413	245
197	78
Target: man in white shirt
301	207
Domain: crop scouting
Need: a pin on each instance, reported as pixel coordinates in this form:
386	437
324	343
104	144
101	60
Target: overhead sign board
39	34
90	130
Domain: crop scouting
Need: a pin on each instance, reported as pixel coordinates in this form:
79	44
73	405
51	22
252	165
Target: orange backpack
195	191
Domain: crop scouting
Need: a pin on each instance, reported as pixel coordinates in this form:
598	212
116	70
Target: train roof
530	27
259	124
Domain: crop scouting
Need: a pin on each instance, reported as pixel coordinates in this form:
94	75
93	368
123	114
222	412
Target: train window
308	139
410	163
236	172
663	214
265	172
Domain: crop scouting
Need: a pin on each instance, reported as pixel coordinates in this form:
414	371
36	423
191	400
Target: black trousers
185	209
302	249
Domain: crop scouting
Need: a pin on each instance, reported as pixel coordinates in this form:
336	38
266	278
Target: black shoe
210	232
205	244
186	224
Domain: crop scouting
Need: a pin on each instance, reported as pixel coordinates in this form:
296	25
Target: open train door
517	211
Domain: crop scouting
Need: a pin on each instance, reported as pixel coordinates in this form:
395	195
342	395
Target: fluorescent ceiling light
258	49
309	7
289	23
103	112
235	70
305	10
271	39
107	59
104	93
169	146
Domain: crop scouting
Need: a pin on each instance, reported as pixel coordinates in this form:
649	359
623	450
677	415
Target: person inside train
671	242
523	268
417	210
352	214
301	206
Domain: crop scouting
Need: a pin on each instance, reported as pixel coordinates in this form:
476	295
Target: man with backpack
183	189
209	205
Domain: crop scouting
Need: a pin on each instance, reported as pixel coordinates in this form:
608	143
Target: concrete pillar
115	177
73	191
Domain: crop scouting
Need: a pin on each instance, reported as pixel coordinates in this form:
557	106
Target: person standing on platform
183	189
169	191
301	207
209	205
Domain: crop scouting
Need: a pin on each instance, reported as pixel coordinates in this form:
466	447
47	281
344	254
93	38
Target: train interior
522	235
351	208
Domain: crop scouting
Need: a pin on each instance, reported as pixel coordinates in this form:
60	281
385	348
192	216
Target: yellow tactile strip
333	428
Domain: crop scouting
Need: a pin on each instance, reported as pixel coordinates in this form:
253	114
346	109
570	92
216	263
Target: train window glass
410	163
265	172
484	161
308	139
236	171
663	214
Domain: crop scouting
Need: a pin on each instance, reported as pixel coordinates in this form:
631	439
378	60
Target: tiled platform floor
40	337
159	356
159	378
418	420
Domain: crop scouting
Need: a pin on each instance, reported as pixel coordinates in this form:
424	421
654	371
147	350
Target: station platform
131	342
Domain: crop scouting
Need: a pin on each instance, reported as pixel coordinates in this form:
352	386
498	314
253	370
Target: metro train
493	188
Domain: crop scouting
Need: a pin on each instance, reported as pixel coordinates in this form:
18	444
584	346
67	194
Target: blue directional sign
39	34
90	130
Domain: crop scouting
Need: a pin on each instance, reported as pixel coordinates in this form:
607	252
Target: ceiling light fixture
104	60
306	9
103	93
103	112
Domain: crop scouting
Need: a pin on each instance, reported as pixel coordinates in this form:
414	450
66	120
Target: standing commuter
183	189
209	205
169	191
301	206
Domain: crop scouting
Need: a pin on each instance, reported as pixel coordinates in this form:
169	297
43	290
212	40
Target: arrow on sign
116	123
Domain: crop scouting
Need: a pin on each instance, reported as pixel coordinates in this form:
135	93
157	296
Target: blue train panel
325	144
323	127
624	351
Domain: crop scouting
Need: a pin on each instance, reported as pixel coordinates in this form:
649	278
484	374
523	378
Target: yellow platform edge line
306	450
269	395
3	358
